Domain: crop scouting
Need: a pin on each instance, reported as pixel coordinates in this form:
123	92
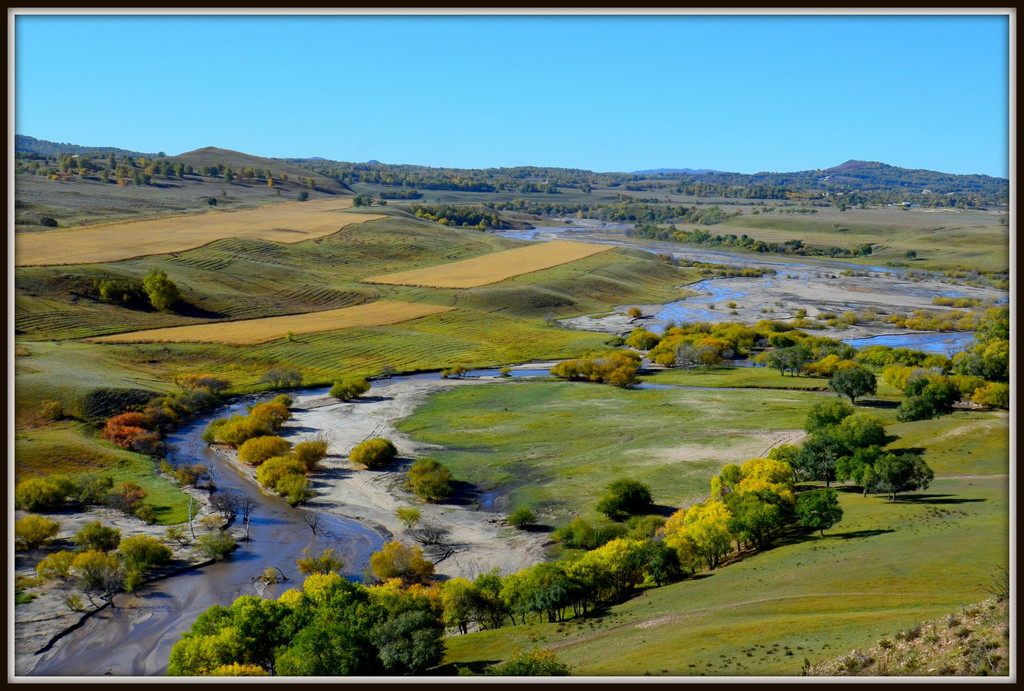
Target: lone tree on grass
853	382
819	509
624	498
162	291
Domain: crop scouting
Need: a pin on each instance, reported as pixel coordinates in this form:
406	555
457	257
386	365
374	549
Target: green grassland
885	567
554	446
963	240
72	448
734	376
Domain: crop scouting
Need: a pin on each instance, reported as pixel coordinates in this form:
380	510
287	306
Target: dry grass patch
492	268
289	222
252	331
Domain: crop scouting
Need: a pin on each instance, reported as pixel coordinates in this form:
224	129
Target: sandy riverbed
479	540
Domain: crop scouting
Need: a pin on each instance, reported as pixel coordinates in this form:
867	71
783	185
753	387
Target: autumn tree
700	534
162	291
430	480
33	531
310	453
326	562
258	449
396	560
374	453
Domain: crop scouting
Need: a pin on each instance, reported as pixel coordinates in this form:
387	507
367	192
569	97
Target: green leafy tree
409	642
624	498
819	509
818	457
853	382
896	473
162	291
826	414
861	430
642	339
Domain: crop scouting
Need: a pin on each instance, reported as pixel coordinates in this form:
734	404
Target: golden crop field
288	222
491	268
252	331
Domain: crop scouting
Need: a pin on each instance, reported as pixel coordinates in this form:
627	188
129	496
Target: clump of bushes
374	453
430	480
617	368
349	388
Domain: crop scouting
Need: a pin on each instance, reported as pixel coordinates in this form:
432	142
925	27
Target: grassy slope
887	566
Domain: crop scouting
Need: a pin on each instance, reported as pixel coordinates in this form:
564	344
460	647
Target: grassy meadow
942	239
554	446
886	567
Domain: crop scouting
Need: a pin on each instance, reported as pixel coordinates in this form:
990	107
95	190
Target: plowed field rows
491	268
252	331
287	223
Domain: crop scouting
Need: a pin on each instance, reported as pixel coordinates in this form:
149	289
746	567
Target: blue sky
606	93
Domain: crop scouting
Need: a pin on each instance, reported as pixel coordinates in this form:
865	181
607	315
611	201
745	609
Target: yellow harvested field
288	222
491	268
252	331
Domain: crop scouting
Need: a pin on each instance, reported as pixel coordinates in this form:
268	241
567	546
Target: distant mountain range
851	175
47	148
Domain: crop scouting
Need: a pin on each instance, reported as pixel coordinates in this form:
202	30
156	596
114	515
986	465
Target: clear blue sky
606	93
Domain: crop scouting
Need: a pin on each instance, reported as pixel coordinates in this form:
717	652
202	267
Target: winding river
135	637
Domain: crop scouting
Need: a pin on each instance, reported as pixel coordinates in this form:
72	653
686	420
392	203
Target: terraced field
287	223
253	331
492	268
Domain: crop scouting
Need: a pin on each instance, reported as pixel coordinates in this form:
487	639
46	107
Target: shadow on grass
854	534
935	499
662	510
477	667
876	403
187	309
